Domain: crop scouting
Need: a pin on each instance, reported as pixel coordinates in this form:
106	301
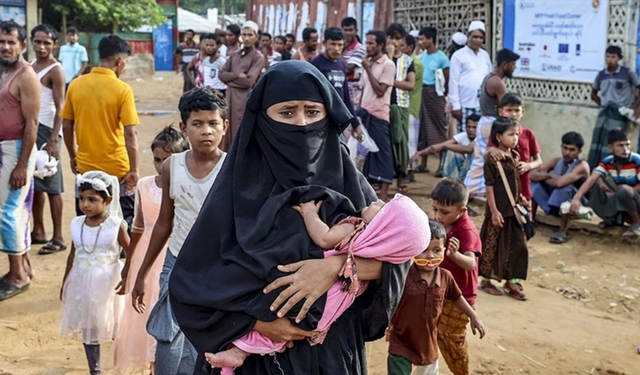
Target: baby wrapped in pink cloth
394	232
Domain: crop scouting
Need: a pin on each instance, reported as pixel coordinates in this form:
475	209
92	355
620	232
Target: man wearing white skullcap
469	66
459	39
240	73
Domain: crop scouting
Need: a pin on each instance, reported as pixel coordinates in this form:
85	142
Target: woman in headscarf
227	279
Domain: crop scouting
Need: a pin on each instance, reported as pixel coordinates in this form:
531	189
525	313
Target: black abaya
247	227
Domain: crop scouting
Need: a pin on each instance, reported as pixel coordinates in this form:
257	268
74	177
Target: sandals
403	189
632	235
490	289
36	241
421	170
9	290
558	238
439	173
51	247
515	293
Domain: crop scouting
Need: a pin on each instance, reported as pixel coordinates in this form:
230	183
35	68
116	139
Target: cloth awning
189	20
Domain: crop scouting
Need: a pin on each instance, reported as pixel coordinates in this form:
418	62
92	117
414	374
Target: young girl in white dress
88	294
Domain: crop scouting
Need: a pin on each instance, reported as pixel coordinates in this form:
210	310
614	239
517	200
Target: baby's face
369	212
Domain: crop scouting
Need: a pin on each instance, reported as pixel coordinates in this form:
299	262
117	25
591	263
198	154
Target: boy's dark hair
616	135
510	99
87	186
47	29
290	36
614	50
210	36
473	117
506	55
430	33
349	21
202	99
170	139
72	31
410	41
235	29
437	230
8	27
190	31
381	37
111	46
396	28
267	35
500	126
281	38
573	138
306	33
450	192
333	33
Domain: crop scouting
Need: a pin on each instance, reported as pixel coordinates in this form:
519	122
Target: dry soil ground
581	317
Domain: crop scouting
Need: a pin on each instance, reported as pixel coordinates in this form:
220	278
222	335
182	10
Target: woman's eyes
287	113
313	112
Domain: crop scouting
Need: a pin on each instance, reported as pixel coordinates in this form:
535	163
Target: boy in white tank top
186	180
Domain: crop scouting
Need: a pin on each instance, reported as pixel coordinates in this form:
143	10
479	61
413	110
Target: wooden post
64	24
39	16
222	14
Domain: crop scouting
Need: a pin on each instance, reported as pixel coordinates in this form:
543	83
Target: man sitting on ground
458	151
558	180
614	187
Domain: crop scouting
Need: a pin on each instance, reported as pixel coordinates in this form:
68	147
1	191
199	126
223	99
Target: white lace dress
90	312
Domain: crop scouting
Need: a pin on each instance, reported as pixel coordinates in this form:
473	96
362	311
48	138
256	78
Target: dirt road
581	318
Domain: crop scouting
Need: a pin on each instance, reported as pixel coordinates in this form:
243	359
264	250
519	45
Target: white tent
189	20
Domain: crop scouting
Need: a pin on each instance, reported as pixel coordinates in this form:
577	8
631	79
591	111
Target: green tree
117	14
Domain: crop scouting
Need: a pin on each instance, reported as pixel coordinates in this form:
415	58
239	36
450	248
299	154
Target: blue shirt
431	63
71	57
336	73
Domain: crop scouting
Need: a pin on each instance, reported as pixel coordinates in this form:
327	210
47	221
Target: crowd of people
273	239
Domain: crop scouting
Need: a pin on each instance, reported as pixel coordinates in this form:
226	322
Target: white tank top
47	105
188	194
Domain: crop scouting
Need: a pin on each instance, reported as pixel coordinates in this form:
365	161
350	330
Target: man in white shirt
469	66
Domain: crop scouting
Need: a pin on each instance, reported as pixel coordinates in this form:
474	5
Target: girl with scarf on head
229	277
400	232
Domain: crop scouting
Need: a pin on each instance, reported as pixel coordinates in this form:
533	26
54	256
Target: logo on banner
595	4
528	46
572	69
563	48
551	68
577	49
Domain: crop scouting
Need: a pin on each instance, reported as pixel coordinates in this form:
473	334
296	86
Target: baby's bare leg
233	357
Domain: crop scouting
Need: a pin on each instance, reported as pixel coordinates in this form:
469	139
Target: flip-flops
515	294
35	241
51	247
9	290
558	238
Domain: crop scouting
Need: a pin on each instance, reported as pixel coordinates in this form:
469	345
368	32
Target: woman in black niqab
247	227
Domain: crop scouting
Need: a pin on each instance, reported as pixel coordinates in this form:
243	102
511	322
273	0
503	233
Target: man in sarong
433	122
185	53
20	101
241	72
617	86
558	180
377	83
614	187
400	101
352	55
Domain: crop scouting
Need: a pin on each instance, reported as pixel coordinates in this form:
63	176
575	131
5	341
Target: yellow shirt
101	105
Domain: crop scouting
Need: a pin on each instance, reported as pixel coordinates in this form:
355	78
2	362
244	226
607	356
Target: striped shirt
629	173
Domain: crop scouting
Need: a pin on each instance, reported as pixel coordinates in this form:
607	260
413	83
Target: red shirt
465	231
527	147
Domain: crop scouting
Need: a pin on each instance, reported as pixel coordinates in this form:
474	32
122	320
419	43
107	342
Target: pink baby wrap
399	232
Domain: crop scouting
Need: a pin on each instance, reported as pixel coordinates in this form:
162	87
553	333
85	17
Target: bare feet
233	357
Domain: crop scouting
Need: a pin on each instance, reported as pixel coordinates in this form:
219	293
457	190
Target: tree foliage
201	6
118	14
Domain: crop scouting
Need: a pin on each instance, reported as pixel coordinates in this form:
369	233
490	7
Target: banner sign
557	40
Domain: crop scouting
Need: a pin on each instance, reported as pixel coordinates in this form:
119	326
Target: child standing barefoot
93	270
393	232
133	348
504	248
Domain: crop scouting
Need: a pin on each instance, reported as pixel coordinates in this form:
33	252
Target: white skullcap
459	38
250	25
414	33
476	25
